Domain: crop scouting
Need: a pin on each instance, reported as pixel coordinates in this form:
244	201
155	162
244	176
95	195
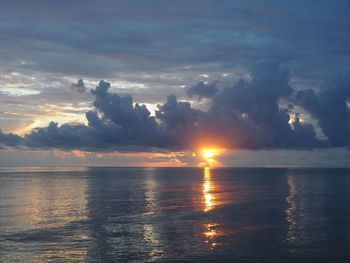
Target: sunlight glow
212	230
208	155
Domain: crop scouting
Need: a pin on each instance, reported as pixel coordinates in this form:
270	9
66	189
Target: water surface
174	214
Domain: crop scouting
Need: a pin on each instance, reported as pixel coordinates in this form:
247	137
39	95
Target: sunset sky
155	83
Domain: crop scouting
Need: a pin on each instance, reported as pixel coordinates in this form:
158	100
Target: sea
104	214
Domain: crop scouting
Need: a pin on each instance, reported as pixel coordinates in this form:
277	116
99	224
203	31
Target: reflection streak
207	187
211	231
150	235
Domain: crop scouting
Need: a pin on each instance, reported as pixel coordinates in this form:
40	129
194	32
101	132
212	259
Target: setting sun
208	153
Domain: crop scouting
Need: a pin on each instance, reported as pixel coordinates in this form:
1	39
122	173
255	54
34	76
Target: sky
152	83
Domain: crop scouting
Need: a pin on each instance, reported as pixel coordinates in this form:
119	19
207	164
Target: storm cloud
260	112
329	106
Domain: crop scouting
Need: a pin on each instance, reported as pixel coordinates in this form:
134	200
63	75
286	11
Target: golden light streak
45	113
44	121
207	186
211	232
212	229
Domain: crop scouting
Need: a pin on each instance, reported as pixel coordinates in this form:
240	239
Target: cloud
203	90
248	114
180	122
149	49
329	107
122	122
9	139
79	86
111	39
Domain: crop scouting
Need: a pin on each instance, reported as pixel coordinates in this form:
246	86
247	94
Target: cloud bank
253	113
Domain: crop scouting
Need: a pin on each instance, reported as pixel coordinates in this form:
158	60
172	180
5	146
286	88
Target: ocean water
174	214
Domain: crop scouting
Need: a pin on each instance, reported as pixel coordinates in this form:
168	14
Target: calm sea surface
174	214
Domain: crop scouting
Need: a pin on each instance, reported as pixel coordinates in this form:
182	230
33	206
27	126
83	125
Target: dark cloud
9	139
79	86
116	122
130	124
180	122
248	115
68	136
329	107
203	90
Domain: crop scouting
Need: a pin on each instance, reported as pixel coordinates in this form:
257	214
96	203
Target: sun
208	153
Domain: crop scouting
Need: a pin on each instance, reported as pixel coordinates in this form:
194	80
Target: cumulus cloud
245	115
179	121
115	123
329	107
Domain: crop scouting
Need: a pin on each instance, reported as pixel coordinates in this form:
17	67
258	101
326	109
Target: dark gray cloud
245	115
329	107
124	122
116	122
180	122
9	139
203	90
79	86
68	136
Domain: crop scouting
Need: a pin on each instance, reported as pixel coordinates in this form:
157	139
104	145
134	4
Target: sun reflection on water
207	187
211	229
150	233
